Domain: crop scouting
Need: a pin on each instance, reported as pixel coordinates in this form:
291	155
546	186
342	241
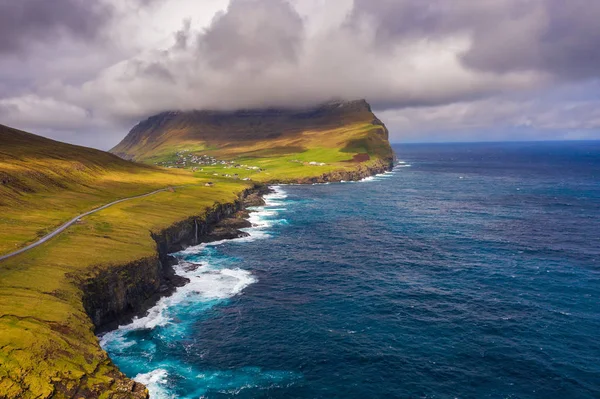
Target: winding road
73	221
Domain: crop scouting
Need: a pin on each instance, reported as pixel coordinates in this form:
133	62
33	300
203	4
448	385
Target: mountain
49	349
113	263
335	133
33	164
44	182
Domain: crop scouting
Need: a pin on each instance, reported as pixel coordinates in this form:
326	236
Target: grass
44	183
47	342
45	334
288	158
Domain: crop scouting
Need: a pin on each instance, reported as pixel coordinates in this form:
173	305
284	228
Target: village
186	160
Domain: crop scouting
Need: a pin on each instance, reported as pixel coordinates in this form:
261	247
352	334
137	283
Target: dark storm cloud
566	42
182	37
401	20
259	53
426	63
23	21
554	36
254	34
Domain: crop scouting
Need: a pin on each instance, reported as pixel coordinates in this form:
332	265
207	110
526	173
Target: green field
47	341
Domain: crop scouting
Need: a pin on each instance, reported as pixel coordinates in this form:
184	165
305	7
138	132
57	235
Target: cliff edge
287	144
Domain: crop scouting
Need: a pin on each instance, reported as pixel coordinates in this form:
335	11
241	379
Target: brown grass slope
47	344
33	164
337	126
44	183
47	341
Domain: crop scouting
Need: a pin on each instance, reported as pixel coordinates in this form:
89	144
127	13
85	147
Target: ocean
470	271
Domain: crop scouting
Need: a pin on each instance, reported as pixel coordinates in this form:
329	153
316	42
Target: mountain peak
232	133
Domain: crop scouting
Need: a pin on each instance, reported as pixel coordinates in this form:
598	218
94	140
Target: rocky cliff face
221	131
113	296
358	173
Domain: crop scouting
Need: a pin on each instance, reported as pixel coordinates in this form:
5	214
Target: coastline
163	281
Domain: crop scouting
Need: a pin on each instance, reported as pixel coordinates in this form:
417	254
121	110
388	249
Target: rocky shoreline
360	172
114	296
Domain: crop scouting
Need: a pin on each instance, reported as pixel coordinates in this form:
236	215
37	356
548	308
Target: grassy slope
272	140
43	183
46	339
45	334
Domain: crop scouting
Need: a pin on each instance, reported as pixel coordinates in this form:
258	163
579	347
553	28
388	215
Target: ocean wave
213	279
277	193
207	281
206	284
155	381
231	382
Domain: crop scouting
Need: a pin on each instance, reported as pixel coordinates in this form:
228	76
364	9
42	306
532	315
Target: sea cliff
115	264
113	296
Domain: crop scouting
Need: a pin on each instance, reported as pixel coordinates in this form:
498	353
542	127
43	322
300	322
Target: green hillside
49	349
43	183
284	144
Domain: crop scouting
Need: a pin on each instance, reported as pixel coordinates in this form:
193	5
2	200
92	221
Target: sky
85	71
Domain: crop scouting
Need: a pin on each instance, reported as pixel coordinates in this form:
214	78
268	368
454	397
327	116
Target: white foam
206	282
263	217
115	341
155	381
193	250
277	194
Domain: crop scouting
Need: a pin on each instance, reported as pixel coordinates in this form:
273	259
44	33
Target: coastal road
75	220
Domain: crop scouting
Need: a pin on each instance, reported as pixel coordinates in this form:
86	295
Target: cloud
259	53
252	35
24	21
430	65
556	36
548	36
499	118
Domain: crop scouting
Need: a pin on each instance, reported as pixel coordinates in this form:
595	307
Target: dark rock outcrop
357	173
237	126
114	295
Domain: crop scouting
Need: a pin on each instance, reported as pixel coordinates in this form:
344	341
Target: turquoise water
470	271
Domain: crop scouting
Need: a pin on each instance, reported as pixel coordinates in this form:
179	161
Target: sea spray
409	286
212	281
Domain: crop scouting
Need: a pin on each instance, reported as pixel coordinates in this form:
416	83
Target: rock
114	295
225	233
254	200
235	223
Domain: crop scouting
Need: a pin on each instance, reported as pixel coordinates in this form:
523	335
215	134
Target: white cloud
430	66
497	118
